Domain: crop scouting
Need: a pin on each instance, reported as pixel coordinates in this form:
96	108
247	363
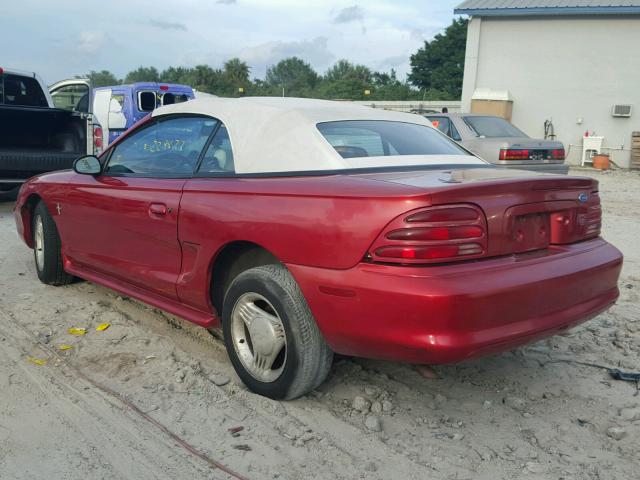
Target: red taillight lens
557	154
429	253
513	154
97	138
435	234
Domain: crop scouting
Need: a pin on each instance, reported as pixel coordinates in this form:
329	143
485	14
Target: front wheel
46	248
271	336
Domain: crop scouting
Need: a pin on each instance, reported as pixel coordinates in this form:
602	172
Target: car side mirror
87	165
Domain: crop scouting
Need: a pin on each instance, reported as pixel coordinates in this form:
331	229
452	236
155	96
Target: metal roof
483	8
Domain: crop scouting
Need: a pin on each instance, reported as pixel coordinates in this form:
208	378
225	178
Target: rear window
441	123
381	138
21	90
493	127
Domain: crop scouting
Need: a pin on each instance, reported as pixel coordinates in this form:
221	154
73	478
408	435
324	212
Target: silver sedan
499	142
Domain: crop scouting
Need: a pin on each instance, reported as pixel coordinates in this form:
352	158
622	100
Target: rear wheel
271	336
46	248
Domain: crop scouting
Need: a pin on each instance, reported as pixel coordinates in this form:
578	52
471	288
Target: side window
219	155
147	101
165	148
72	97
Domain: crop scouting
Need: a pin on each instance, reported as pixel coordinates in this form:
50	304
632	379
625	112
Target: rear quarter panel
324	222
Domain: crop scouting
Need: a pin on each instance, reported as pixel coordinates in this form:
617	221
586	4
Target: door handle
158	209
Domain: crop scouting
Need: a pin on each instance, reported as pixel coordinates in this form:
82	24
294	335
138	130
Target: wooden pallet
635	150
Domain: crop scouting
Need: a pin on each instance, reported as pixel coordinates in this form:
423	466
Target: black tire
50	269
308	358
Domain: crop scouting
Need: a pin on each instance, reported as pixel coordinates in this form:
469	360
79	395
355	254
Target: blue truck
118	107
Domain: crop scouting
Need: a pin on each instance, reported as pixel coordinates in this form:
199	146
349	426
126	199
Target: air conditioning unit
621	111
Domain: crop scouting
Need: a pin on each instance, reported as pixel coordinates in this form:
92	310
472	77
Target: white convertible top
275	134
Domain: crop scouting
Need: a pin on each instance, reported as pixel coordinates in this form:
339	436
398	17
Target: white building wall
564	69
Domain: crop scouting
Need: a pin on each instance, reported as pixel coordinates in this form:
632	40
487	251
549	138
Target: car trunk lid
525	211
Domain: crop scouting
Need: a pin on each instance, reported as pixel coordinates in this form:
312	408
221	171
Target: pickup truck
38	137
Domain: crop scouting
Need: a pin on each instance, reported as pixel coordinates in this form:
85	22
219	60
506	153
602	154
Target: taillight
432	235
97	139
526	154
557	154
513	154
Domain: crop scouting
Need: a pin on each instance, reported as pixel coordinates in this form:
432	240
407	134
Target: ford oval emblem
583	197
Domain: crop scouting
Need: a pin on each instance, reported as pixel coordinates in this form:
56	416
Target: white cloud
314	51
91	41
416	34
393	62
349	14
162	25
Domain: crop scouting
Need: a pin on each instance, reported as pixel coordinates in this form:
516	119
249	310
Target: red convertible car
307	227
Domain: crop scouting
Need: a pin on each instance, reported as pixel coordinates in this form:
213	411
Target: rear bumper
443	314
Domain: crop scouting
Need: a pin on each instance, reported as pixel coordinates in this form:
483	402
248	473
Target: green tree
201	77
439	64
175	75
293	74
235	75
236	71
345	70
386	86
142	74
103	78
346	81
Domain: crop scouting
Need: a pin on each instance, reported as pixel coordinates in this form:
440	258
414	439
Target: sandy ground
521	414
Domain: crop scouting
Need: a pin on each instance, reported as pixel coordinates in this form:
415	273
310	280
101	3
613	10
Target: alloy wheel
259	337
39	242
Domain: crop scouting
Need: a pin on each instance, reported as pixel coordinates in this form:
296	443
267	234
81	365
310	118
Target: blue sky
62	38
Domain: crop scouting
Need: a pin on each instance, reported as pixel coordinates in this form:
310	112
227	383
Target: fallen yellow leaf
37	361
77	331
64	347
102	327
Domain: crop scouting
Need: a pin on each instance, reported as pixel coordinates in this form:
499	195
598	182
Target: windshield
493	127
381	138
